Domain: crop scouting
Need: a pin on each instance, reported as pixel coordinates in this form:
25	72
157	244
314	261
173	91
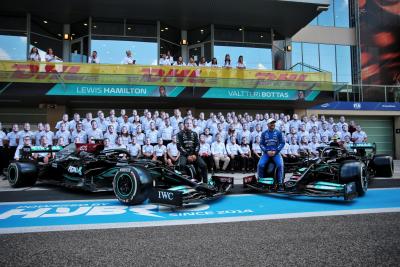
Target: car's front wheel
132	185
355	171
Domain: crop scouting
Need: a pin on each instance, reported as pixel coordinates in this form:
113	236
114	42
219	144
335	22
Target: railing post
385	95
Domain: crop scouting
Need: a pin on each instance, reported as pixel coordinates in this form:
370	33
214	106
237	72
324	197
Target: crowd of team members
232	141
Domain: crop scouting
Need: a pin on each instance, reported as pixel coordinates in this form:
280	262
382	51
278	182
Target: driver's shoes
281	188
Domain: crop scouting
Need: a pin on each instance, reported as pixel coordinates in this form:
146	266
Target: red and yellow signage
11	71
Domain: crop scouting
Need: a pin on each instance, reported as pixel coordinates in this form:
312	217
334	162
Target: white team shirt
93	60
134	149
205	149
359	136
128	60
64	134
2	137
218	148
233	149
147	149
172	149
166	133
12	138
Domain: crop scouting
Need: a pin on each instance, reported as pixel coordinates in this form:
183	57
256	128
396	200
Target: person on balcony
129	58
94	59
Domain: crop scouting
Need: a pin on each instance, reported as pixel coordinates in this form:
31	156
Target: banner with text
162	75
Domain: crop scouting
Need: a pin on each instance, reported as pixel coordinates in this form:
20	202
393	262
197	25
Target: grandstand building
325	57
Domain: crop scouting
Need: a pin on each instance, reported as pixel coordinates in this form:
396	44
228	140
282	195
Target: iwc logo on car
357	105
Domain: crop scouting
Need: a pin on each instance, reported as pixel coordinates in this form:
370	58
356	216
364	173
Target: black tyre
22	174
383	165
133	185
355	171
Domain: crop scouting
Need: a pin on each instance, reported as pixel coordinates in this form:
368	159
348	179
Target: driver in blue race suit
271	144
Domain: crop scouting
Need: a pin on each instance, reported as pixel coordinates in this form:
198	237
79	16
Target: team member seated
26	143
43	156
234	152
257	152
134	149
172	152
147	150
160	151
218	151
205	152
189	146
271	144
247	160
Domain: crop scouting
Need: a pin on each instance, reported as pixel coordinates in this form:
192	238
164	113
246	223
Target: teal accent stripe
175	91
311	96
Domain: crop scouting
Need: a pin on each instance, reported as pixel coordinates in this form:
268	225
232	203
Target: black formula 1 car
91	168
338	172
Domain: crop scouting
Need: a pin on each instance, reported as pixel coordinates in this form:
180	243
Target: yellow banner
31	72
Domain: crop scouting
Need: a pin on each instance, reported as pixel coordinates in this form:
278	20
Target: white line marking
36	229
381	178
114	199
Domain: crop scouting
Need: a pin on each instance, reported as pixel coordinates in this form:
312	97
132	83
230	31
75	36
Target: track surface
356	240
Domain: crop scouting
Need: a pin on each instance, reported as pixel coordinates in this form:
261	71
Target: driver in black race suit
188	145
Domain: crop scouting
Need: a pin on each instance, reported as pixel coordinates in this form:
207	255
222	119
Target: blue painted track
69	213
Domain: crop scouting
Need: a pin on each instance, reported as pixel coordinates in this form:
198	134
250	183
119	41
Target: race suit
271	141
188	144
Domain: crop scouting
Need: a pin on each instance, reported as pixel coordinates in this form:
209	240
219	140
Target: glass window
343	60
80	29
199	35
43	43
145	30
314	22
310	55
341	8
13	47
326	17
254	57
327	59
254	36
113	51
13	23
297	56
46	27
228	34
169	33
108	27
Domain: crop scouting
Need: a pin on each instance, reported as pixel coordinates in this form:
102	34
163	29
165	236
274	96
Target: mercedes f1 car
338	172
90	167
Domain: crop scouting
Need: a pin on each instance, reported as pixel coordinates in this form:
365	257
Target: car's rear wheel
132	186
383	165
22	174
355	171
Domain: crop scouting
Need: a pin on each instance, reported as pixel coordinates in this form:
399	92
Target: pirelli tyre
383	165
22	174
355	171
132	185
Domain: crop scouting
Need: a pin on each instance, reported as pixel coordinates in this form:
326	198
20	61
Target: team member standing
188	145
94	59
271	144
3	155
128	59
240	64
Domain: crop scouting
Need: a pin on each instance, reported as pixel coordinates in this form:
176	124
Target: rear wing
363	146
40	149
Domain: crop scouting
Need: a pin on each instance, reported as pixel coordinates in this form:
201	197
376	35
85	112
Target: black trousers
3	159
209	162
198	164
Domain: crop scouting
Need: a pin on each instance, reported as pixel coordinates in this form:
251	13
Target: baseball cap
271	120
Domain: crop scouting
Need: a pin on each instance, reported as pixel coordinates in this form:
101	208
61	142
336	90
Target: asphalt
353	240
357	240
